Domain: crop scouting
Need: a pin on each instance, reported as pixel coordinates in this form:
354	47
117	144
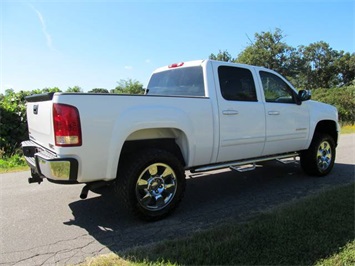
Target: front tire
151	184
319	159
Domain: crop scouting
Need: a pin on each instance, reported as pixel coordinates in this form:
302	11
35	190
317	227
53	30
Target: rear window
187	81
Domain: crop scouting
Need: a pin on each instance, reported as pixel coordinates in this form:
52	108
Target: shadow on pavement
210	199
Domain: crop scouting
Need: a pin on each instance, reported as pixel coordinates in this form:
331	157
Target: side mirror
304	95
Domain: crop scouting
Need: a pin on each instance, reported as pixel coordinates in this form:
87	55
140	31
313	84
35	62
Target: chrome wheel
156	186
318	159
324	156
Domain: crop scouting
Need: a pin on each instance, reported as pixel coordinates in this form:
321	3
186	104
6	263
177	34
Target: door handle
273	112
230	112
35	109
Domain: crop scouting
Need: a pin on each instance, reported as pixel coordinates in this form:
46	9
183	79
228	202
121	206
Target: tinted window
237	84
186	81
275	89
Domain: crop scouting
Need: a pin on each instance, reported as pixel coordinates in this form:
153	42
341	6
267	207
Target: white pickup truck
198	116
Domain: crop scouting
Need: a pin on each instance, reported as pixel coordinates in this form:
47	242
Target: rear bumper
46	164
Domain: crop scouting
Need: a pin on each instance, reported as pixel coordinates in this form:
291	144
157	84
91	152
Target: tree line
329	73
124	86
314	66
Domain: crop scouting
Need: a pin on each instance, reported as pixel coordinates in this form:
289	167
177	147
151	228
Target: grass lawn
347	129
318	230
12	169
15	163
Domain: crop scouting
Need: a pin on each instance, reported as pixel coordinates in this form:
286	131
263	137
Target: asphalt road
49	224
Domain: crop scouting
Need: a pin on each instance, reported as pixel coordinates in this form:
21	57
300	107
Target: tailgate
39	119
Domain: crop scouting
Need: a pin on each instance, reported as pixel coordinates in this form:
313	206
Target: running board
243	168
294	160
236	164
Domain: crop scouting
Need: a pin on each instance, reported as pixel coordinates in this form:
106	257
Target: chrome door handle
230	112
273	112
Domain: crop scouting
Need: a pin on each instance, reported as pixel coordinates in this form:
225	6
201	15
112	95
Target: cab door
287	119
241	113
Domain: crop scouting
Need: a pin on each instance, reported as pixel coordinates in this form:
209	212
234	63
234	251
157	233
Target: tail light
66	123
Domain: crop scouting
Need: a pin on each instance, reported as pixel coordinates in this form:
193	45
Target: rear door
241	113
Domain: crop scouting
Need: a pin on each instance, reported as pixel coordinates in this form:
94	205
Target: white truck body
210	128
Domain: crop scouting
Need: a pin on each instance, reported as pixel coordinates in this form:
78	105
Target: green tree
269	50
74	89
128	86
222	56
314	66
345	65
45	90
319	69
98	90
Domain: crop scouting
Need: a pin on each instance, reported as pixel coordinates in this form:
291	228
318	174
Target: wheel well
167	144
328	127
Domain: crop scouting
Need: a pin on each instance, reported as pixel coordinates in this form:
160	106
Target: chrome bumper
47	165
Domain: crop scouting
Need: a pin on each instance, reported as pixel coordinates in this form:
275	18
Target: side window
237	84
275	89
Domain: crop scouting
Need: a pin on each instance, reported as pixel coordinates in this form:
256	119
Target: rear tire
319	159
151	184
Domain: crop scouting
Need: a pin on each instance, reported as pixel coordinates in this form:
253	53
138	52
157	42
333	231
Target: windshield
187	81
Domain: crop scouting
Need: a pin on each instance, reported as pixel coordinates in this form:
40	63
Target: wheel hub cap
324	155
156	186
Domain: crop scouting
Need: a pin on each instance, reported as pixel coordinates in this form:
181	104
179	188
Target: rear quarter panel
107	121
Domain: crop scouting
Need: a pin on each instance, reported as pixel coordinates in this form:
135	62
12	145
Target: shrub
342	98
13	122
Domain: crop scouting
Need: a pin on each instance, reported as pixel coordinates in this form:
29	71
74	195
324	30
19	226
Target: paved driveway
48	224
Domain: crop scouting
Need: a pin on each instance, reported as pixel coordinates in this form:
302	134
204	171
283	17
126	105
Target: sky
95	44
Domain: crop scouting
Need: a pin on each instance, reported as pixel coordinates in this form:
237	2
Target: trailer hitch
93	186
36	178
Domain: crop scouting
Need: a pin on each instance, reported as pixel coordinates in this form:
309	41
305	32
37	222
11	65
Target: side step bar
236	165
287	161
243	168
